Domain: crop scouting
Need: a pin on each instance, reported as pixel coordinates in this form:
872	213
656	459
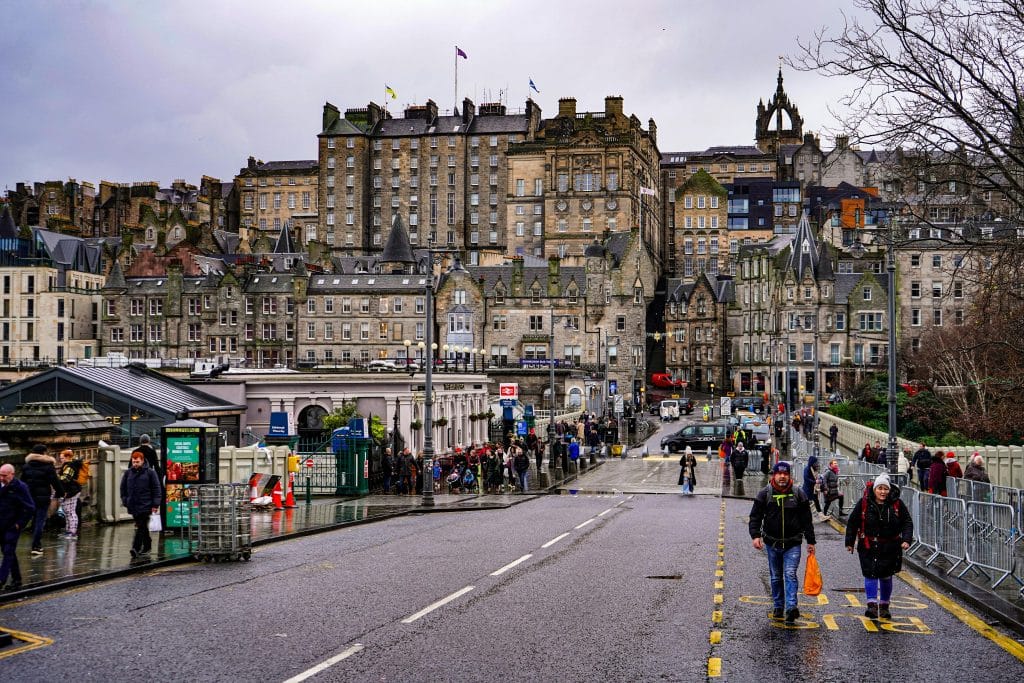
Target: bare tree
941	80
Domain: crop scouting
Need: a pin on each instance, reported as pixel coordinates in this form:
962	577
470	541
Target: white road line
326	664
580	526
602	514
440	603
554	540
508	566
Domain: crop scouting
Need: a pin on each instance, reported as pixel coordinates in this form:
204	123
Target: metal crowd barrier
946	519
990	542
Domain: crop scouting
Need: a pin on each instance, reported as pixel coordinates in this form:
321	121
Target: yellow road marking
1009	644
718	598
714	667
716	637
716	616
719	585
31	640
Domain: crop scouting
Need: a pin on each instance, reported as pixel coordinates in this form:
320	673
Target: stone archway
310	427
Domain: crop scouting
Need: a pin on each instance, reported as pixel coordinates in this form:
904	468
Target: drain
670	577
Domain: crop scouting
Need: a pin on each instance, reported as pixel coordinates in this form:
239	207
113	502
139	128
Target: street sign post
309	463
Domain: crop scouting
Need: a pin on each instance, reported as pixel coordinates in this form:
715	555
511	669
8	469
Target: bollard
309	491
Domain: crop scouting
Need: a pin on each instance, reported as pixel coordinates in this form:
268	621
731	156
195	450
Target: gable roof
398	248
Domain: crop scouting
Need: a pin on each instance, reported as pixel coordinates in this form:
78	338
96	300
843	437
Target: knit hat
883	480
782	466
39	448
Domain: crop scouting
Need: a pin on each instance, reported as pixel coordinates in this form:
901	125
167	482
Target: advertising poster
182	471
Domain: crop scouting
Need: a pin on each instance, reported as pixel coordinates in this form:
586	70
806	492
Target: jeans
142	542
782	566
522	479
42	512
387	483
878	590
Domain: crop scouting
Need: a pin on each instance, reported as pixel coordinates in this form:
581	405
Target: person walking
740	460
387	469
780	519
865	453
937	475
810	486
16	511
952	466
882	529
833	437
688	472
521	463
147	450
976	469
40	475
832	493
922	460
70	467
141	494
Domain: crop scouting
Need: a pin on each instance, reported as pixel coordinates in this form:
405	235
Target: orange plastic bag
812	576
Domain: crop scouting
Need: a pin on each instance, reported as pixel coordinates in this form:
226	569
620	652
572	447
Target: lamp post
814	422
428	403
552	457
406	343
857	250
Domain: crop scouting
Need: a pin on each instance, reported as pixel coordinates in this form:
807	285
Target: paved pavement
102	551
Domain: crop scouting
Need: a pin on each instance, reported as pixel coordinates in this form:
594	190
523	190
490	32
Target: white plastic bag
154	523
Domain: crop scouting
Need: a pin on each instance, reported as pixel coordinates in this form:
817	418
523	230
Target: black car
698	437
754	404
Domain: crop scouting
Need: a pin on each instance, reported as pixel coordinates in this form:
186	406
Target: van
698	437
669	410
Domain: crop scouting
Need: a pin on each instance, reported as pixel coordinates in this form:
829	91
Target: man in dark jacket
16	509
922	460
141	494
779	521
40	475
152	459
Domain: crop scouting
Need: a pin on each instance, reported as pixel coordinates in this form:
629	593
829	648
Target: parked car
752	423
382	364
669	410
698	437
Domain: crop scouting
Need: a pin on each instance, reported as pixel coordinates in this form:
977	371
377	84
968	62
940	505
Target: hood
812	461
950	458
39	459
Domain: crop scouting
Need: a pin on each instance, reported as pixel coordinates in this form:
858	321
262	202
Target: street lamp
428	404
407	343
857	250
817	386
445	356
465	358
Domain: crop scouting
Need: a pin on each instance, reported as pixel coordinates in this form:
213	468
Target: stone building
274	196
700	240
583	176
769	138
49	304
444	175
695	331
57	206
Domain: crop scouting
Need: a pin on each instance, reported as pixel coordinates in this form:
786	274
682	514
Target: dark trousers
42	512
387	482
9	565
142	542
922	478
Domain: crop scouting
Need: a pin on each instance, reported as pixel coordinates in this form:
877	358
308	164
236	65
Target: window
915	317
936	260
866	294
840	322
936	290
937	317
156	307
620	323
915	290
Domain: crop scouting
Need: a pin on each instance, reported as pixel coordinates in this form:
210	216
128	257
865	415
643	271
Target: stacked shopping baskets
219	525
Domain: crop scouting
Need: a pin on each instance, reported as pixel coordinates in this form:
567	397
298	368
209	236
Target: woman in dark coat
688	471
937	475
882	528
40	475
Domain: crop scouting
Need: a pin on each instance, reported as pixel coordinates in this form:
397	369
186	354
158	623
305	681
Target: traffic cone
276	496
289	499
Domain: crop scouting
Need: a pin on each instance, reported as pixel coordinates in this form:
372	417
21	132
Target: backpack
82	476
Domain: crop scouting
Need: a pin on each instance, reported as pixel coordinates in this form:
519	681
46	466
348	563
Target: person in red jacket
953	467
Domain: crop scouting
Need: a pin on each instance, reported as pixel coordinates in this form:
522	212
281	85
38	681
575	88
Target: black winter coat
879	531
782	519
16	506
140	490
40	475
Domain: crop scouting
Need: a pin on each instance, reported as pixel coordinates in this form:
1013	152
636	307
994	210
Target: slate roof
800	261
493	123
398	248
343	126
8	230
306	165
115	278
361	283
139	386
285	244
677	291
492	275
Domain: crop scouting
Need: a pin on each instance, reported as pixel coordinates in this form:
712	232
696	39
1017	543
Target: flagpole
456	93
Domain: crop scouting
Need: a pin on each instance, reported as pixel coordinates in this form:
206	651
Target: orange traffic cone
289	499
276	497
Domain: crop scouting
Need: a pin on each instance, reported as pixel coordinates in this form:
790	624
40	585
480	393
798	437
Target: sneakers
13	586
883	611
134	552
792	615
69	537
872	611
36	552
777	613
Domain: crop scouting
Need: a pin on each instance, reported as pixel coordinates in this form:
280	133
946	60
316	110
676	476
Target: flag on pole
533	87
389	91
459	52
648	191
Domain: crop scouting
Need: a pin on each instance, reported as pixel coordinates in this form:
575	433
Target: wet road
594	586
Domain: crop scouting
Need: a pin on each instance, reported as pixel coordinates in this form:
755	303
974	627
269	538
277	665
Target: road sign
508	402
309	463
684	383
619	405
509	390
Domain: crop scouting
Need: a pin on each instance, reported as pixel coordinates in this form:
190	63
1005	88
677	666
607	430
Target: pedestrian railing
990	543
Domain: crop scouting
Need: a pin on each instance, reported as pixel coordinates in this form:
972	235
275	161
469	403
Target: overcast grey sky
141	90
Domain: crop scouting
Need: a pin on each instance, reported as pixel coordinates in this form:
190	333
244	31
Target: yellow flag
389	91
